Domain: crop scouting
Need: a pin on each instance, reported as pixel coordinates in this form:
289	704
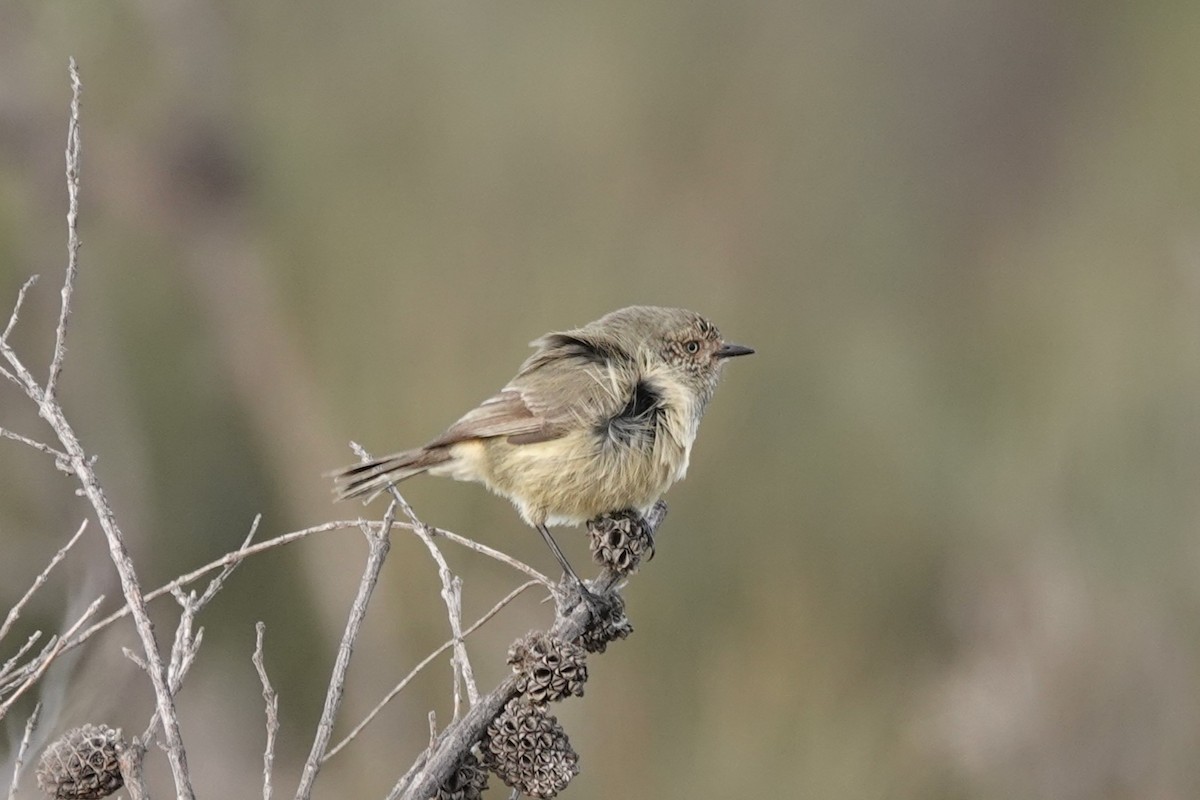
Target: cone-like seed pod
529	750
82	764
610	625
620	541
549	668
468	782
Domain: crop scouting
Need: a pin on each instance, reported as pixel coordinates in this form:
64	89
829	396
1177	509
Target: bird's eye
692	347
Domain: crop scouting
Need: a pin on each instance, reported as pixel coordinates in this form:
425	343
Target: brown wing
563	386
503	414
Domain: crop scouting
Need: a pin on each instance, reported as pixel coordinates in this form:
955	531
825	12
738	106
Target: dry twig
399	687
272	701
15	612
6	670
379	542
30	724
47	656
452	596
79	463
16	312
442	757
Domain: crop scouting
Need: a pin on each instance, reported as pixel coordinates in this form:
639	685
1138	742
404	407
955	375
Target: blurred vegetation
939	538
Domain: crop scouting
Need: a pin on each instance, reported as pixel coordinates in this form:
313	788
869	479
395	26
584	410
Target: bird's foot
606	622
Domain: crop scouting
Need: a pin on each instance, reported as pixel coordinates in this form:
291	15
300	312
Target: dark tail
373	477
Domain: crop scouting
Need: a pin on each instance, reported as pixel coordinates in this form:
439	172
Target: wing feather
570	382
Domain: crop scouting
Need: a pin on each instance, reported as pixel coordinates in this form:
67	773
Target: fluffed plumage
599	419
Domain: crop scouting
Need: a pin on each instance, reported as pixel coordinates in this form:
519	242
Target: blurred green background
939	537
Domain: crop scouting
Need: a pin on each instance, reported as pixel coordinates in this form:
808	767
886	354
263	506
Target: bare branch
379	542
272	701
132	590
47	657
426	775
500	556
81	465
59	456
224	561
8	665
437	763
130	761
216	584
137	660
60	335
12	320
399	687
452	596
30	724
183	652
15	612
21	376
490	552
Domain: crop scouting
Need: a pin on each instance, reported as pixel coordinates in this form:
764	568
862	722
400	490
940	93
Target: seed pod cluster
529	750
621	541
548	668
82	764
468	782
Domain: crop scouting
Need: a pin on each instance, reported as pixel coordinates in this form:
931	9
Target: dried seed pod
529	750
549	668
82	764
468	782
621	541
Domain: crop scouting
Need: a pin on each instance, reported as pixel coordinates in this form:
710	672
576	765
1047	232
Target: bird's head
681	341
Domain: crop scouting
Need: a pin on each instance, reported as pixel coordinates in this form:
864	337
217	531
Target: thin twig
379	542
237	556
500	556
272	701
217	583
14	679
399	687
224	561
183	652
417	526
47	658
8	665
30	724
59	456
452	596
12	320
5	373
132	590
60	333
15	612
20	375
81	465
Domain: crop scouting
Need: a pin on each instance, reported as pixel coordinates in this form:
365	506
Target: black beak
728	350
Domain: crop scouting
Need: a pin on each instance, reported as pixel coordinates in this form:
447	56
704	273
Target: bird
599	419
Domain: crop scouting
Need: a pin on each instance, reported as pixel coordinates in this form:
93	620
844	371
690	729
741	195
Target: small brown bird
599	419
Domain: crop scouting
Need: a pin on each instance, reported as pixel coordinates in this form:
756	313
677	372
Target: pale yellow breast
572	479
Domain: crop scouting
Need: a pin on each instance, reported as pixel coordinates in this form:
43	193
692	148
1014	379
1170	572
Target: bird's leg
588	597
558	553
